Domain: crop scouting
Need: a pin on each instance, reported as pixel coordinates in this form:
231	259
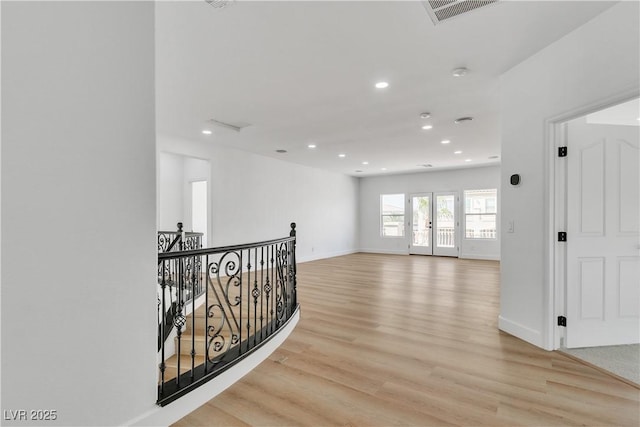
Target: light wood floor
411	340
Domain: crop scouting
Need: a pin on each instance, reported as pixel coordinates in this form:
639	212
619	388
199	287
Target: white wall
448	180
195	170
175	175
595	62
170	197
78	210
255	198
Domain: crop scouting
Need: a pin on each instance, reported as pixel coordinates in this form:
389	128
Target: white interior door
445	230
603	251
421	224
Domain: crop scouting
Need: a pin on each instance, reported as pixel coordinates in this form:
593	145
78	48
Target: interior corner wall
255	198
448	180
78	309
597	61
170	197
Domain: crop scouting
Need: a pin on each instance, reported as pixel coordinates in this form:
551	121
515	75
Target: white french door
421	224
603	216
434	224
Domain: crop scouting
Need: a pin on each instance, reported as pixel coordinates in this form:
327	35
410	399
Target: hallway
412	340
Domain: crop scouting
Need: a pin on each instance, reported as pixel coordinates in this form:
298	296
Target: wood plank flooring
389	340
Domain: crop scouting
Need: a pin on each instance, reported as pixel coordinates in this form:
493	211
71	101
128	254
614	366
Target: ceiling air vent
219	4
441	10
233	126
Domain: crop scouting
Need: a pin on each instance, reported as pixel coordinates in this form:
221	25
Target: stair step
201	322
201	311
200	342
185	365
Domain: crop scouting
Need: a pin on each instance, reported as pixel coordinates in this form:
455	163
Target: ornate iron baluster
231	330
162	328
262	292
193	317
255	293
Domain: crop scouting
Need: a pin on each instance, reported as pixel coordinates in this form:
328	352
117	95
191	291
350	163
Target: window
392	215
480	210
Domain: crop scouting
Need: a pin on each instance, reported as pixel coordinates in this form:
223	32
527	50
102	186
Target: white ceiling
304	72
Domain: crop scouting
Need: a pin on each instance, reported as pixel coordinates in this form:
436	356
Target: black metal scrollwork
248	294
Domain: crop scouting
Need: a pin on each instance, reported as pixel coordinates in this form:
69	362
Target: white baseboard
314	257
384	251
520	331
488	257
166	415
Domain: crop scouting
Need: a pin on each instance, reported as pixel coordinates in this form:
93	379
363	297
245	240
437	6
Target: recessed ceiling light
207	132
382	85
427	127
383	169
281	151
365	163
467	160
457	152
462	120
342	156
425	115
445	141
459	72
311	145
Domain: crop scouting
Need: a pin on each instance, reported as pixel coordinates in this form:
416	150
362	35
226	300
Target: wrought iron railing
249	295
174	241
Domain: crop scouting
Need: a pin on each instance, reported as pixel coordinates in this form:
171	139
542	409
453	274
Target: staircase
249	294
255	312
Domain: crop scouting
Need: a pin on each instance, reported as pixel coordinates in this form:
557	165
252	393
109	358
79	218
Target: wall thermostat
515	179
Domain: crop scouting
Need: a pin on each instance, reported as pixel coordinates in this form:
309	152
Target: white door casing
603	238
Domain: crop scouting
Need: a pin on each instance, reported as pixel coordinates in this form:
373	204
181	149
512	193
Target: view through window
480	208
392	215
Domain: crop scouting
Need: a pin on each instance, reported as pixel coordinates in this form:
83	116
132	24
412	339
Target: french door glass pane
421	221
445	221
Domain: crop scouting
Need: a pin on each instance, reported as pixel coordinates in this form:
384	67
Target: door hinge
562	151
562	236
562	321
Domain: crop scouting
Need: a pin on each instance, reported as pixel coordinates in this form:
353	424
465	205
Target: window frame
382	215
480	214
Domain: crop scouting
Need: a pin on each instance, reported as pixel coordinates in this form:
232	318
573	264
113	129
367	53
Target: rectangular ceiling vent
441	10
238	126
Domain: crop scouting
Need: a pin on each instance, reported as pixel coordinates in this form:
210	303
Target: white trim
385	251
555	262
488	257
166	415
326	255
520	331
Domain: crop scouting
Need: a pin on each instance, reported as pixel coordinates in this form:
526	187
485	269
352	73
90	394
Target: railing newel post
294	266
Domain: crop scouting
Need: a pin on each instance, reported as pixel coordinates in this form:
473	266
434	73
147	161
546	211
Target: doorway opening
596	201
199	209
183	187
